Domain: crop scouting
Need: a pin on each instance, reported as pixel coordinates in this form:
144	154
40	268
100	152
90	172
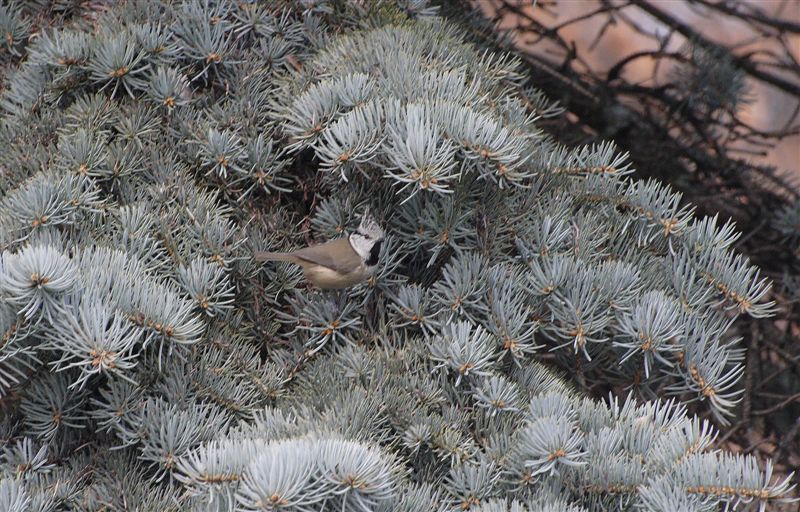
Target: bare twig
693	35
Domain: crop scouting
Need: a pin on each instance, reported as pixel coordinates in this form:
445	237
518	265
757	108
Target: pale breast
327	279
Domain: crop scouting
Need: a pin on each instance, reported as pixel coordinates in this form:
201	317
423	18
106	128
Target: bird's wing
322	254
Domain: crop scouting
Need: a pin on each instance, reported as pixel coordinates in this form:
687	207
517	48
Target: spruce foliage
147	363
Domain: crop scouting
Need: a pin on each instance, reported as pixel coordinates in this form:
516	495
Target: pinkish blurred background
770	109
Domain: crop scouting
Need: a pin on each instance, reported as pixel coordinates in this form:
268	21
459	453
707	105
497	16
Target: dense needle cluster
147	363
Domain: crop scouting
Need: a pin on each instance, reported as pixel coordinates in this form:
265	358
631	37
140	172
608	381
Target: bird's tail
274	256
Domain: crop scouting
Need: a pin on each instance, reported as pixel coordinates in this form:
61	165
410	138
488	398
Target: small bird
339	263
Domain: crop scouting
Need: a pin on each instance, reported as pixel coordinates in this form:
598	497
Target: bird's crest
369	227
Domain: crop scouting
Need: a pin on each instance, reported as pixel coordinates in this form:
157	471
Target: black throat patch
374	254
